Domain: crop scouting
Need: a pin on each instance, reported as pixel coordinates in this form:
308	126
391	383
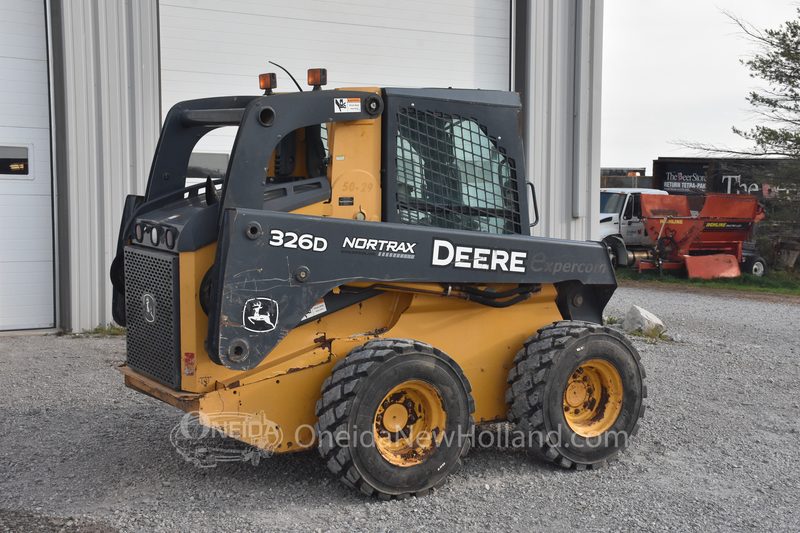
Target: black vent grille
452	174
151	306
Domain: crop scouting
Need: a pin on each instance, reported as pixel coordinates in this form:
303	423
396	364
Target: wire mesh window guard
452	174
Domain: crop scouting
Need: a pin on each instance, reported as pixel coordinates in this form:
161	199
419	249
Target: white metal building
84	85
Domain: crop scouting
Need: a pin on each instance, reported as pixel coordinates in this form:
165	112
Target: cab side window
452	174
637	205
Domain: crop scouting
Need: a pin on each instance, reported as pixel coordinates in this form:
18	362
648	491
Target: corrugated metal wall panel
26	240
562	124
111	121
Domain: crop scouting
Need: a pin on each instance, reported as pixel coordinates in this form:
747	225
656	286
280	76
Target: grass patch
652	336
110	330
775	282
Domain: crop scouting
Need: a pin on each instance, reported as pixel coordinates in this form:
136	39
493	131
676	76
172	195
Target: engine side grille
151	305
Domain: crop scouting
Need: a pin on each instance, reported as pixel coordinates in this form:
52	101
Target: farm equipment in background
709	245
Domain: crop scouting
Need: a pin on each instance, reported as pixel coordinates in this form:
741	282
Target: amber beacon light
267	82
317	77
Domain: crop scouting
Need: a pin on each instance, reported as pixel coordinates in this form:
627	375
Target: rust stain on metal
324	342
182	400
298	369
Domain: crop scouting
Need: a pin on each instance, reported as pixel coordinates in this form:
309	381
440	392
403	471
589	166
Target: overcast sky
672	71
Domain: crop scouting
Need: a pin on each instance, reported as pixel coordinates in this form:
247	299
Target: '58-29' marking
290	239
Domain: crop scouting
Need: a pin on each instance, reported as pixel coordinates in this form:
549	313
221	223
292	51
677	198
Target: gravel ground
719	448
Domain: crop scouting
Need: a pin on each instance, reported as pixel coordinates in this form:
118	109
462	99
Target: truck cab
621	224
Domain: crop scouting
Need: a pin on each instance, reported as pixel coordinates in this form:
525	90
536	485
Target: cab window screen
452	174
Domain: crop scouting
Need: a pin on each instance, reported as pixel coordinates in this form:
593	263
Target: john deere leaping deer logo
149	307
260	314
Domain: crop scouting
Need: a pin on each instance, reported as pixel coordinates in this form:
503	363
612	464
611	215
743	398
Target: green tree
778	63
777	106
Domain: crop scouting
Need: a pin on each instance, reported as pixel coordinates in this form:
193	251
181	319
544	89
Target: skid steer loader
362	280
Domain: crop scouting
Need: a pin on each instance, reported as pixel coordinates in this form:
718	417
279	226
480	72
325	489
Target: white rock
642	320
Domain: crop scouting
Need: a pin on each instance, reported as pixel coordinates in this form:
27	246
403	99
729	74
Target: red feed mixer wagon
708	245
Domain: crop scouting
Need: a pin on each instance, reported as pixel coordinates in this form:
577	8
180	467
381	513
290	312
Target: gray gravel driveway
719	448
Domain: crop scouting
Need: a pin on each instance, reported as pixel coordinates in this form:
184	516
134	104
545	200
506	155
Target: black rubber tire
613	256
351	397
543	369
754	265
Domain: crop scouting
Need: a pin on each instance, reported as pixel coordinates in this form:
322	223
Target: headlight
138	232
169	237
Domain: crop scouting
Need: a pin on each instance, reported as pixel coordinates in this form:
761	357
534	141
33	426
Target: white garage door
214	47
26	242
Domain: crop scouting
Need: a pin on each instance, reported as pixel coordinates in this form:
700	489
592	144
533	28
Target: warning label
347	105
318	309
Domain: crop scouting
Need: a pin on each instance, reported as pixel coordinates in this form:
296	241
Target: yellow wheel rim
409	423
593	398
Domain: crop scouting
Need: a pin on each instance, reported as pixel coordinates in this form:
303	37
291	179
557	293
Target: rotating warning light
317	77
268	82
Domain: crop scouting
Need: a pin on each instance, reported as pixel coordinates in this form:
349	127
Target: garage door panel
24	69
25	115
21	46
37	218
11	8
30	247
212	47
460	16
26	242
206	35
31	290
21	188
25	309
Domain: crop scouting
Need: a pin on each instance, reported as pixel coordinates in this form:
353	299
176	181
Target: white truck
621	225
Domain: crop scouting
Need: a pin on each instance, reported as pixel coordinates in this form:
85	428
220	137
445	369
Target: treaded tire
544	370
354	394
754	265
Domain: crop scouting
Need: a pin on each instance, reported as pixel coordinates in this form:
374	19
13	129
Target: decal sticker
149	308
316	310
189	364
539	263
290	239
347	200
379	247
726	225
446	253
260	315
347	105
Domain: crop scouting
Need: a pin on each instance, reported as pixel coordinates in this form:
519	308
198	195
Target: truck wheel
612	254
754	265
577	393
395	418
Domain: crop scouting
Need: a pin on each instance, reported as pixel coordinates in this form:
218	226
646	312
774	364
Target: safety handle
535	206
